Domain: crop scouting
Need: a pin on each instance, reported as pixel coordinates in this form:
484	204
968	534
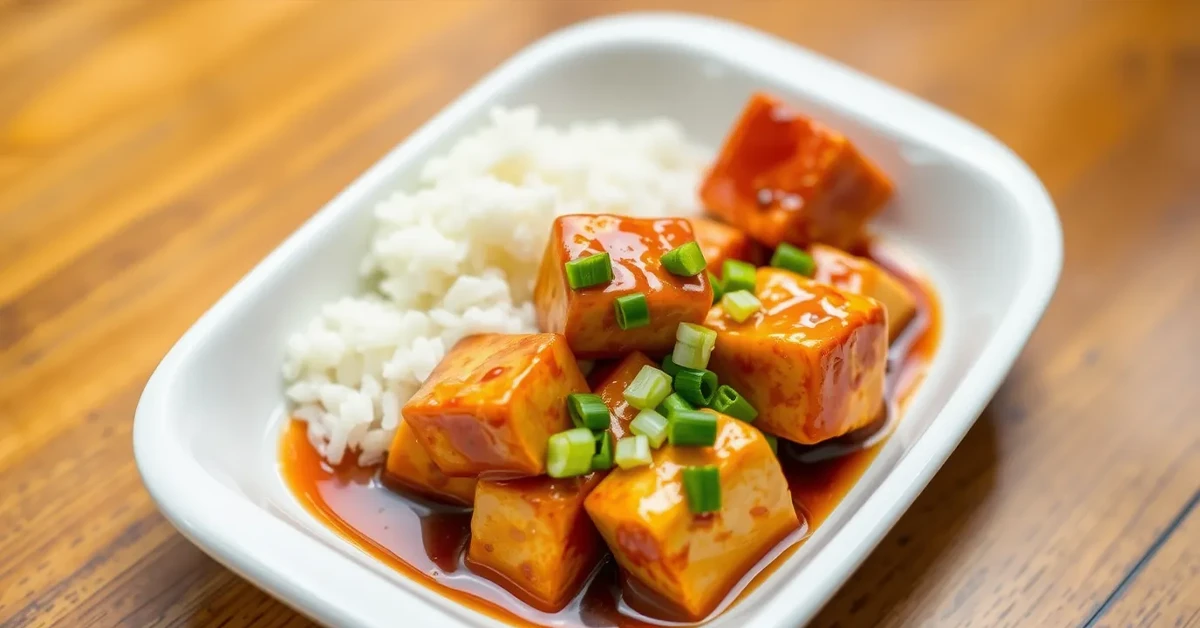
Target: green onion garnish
669	366
737	275
694	345
773	441
695	335
648	388
570	453
685	261
696	386
692	428
632	310
729	402
689	356
795	259
633	451
718	287
702	485
652	425
588	410
740	304
589	271
673	403
602	460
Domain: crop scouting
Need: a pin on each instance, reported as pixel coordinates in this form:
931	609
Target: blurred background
152	152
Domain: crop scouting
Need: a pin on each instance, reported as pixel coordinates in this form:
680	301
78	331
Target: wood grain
152	152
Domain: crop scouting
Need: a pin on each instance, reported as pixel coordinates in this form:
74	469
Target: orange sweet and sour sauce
426	542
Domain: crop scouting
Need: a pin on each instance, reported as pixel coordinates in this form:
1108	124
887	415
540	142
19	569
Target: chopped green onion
669	366
588	410
737	275
686	260
740	304
633	451
652	425
702	485
773	441
570	453
695	335
648	388
729	402
602	460
694	345
690	356
794	259
589	271
673	403
692	428
718	287
632	311
696	386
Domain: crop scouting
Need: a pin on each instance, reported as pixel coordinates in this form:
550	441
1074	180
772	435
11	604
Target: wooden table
152	152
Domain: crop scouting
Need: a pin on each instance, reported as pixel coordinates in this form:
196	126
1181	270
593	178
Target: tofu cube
812	361
694	560
720	242
784	178
493	401
635	246
533	537
611	388
862	276
410	468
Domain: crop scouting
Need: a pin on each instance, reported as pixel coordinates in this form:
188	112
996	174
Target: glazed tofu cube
611	388
812	361
635	246
862	276
409	467
694	560
532	535
784	178
493	401
720	242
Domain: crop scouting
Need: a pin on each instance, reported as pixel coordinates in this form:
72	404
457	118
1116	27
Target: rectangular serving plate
968	212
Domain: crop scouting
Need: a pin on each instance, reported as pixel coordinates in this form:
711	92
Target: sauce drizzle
425	542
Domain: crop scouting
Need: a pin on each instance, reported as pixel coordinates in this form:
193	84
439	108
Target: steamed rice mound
460	255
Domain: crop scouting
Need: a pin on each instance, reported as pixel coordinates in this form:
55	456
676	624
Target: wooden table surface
152	152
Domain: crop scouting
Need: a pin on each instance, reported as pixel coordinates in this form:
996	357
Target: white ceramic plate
968	212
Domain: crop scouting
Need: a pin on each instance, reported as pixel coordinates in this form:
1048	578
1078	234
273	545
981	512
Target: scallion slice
692	428
696	386
669	366
718	287
673	403
686	260
652	425
570	453
632	310
702	485
602	460
740	304
648	388
737	275
589	271
633	451
795	259
729	402
690	356
695	335
588	410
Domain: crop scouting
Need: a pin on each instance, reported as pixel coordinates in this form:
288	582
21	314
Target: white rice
460	255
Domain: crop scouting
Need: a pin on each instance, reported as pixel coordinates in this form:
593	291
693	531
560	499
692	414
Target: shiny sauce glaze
425	542
635	247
